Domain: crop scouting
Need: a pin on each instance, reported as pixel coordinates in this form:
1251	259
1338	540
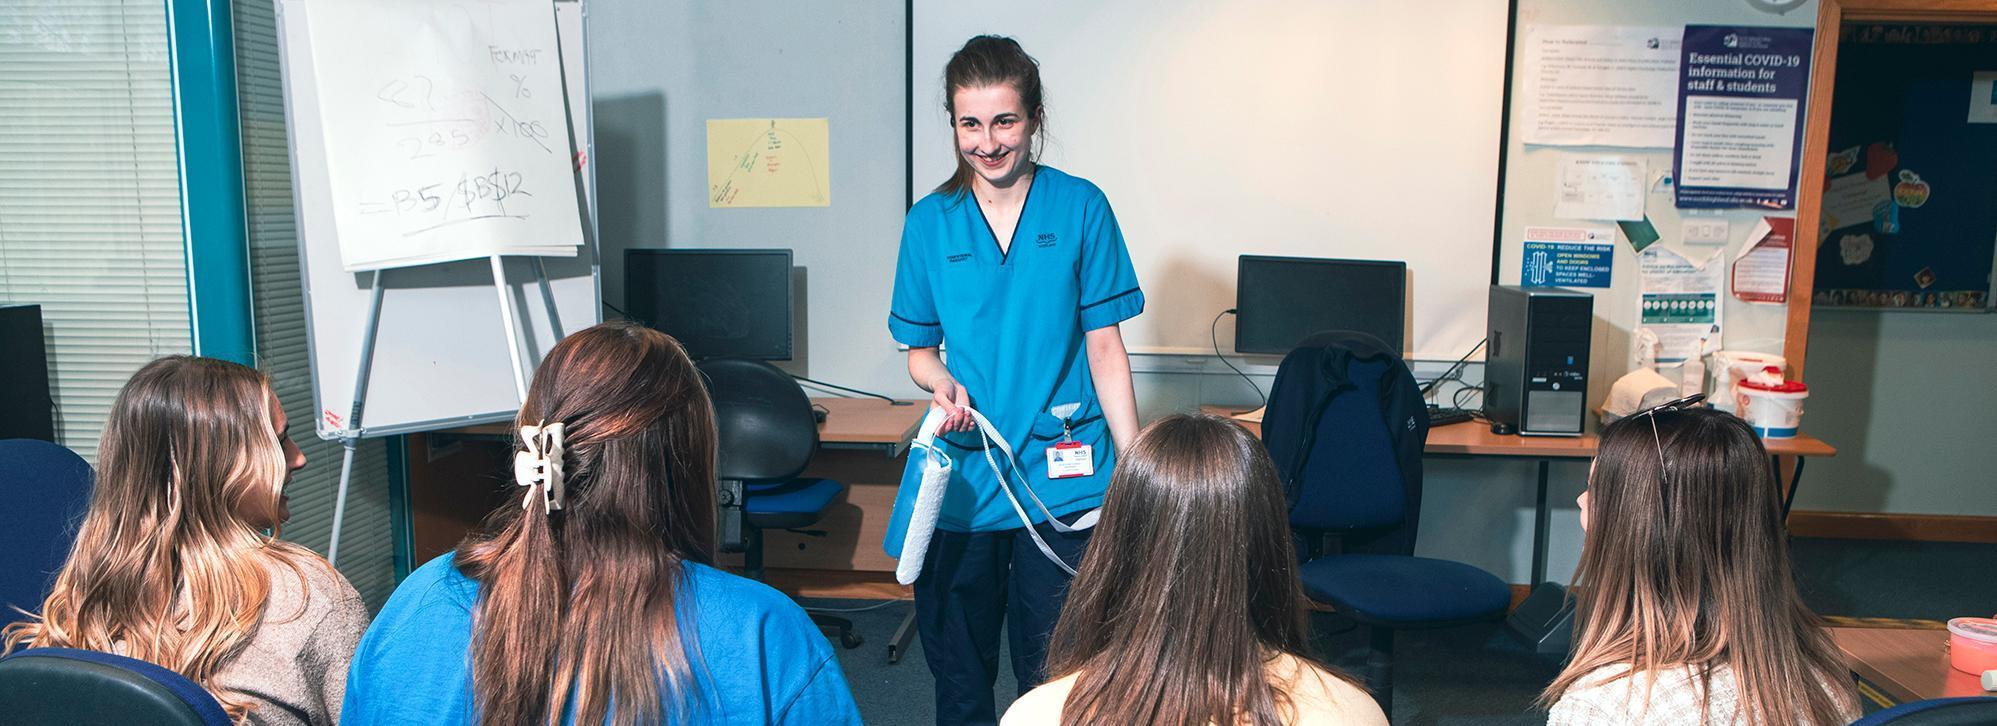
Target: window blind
90	224
367	544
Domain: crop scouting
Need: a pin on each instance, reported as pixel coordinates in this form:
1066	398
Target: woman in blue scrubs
1021	271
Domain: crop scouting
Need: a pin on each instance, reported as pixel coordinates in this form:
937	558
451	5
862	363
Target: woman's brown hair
578	605
171	565
1189	587
990	60
1686	564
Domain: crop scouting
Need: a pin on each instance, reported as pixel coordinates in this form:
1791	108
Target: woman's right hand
952	397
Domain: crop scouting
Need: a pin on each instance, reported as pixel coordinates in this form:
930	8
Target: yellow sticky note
768	162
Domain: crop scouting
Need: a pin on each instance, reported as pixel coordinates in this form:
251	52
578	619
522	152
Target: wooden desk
1474	438
1903	664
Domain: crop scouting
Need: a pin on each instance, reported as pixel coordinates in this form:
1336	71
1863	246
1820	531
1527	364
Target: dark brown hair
1189	586
989	60
579	604
1688	566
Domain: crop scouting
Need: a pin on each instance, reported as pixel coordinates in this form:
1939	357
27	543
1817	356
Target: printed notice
1761	271
1567	257
768	162
1600	85
1599	187
1680	301
1852	200
1741	89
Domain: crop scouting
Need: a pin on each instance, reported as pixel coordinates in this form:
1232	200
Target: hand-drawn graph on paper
774	162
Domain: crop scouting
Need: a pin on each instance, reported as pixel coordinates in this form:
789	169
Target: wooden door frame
1831	16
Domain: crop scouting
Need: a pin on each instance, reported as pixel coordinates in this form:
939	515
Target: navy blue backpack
1346	417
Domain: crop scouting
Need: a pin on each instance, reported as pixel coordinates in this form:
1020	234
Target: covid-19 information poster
1740	103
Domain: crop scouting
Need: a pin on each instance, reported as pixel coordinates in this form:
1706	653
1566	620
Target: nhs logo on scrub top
1046	239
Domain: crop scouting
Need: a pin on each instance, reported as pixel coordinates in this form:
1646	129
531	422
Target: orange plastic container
1972	645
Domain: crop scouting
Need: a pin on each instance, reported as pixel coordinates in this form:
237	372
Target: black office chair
767	435
1960	711
87	688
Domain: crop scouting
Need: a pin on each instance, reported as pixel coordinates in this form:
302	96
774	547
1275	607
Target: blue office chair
87	688
47	490
1355	475
767	436
1965	711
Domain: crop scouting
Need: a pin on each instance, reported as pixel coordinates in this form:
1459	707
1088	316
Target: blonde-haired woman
591	596
172	564
1687	612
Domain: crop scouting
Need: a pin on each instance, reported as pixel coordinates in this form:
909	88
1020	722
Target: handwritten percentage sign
520	87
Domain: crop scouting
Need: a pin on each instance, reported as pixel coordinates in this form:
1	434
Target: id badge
1070	459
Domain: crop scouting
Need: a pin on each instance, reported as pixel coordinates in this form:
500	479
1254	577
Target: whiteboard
440	355
1361	129
442	124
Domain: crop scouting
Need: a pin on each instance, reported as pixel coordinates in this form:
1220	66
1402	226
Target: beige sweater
293	671
1316	697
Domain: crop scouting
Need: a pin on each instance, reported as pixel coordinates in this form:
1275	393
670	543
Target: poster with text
1740	103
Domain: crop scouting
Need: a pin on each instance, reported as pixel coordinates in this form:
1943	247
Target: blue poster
1566	264
1740	107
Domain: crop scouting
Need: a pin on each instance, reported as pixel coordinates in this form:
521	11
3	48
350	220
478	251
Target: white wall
660	70
1907	399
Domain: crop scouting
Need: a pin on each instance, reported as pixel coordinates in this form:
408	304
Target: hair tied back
540	465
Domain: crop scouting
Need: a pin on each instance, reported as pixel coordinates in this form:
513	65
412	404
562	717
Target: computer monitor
717	303
1279	301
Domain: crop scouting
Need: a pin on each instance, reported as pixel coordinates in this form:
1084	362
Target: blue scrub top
1012	326
761	660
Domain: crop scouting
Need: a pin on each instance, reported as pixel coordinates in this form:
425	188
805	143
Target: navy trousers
971	584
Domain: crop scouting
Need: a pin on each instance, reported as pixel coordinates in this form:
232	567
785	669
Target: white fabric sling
936	468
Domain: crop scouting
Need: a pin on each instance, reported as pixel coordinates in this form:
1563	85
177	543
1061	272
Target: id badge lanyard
989	436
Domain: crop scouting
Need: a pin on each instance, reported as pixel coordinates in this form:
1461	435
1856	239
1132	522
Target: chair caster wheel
850	640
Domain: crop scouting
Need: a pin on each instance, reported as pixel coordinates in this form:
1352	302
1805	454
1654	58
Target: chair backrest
1965	711
46	489
87	688
762	419
1345	428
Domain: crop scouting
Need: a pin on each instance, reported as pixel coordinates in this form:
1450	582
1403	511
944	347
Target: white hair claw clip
540	465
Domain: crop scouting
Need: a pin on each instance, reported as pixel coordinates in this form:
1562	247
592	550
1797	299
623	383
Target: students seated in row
172	566
1687	611
1187	608
591	598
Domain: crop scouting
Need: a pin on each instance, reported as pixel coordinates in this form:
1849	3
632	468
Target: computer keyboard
1438	416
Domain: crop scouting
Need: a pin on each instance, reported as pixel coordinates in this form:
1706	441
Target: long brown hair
989	60
1188	589
169	566
578	605
1687	565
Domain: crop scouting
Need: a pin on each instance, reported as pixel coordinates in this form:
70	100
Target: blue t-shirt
1012	324
761	660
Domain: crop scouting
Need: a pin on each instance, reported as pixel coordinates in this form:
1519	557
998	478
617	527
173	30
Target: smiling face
994	132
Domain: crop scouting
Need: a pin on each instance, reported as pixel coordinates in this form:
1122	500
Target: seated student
171	564
1686	610
1187	608
591	599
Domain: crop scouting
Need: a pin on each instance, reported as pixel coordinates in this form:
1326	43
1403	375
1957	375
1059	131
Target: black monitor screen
1279	301
718	303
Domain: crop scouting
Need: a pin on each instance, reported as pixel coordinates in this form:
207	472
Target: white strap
991	436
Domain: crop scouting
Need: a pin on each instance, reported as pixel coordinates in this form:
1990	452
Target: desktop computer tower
1536	360
26	410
